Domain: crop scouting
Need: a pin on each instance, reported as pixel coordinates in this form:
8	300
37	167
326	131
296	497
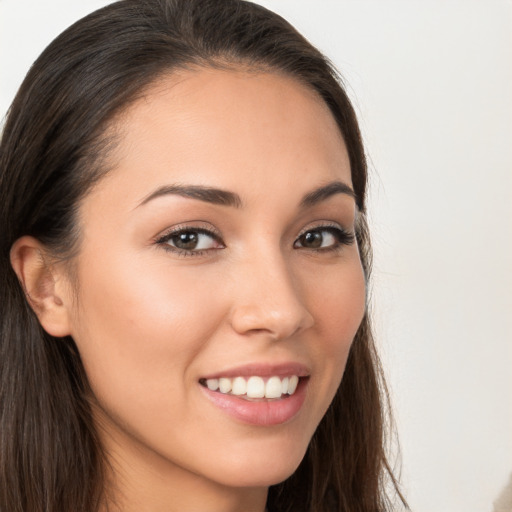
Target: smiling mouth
254	387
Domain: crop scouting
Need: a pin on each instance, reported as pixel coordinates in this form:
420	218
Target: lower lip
261	412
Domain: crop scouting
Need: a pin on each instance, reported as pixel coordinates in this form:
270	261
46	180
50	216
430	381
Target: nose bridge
268	299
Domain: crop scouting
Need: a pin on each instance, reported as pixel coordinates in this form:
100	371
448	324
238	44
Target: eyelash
181	230
342	238
341	235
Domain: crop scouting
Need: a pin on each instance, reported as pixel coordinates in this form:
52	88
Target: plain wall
432	84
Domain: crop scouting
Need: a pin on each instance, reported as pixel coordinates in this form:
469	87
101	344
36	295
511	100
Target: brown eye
312	239
324	238
187	240
191	240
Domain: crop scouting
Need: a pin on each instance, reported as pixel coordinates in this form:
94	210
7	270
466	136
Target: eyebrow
227	198
321	194
206	194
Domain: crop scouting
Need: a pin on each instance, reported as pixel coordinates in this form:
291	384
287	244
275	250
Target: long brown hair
52	151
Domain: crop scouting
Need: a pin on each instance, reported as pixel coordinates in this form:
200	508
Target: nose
268	300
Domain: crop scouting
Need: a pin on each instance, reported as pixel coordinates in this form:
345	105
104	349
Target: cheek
138	325
337	298
338	302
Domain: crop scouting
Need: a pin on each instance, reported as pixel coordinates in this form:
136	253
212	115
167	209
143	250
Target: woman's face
219	251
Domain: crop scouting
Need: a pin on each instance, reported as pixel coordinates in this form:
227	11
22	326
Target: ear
46	287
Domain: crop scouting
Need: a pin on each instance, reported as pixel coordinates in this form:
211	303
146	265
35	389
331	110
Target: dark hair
53	150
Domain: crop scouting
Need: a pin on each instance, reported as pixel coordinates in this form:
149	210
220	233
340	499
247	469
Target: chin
260	468
264	477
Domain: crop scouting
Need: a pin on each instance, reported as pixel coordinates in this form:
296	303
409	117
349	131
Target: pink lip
262	412
262	370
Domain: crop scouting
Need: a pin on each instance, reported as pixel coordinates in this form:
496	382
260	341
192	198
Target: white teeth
273	388
284	385
292	385
213	384
239	386
224	385
255	386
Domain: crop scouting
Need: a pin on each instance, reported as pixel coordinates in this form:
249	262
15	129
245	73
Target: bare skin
172	289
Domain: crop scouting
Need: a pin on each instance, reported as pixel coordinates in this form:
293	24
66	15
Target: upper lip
262	370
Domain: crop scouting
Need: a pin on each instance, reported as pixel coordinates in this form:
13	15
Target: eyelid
345	236
323	224
163	239
199	226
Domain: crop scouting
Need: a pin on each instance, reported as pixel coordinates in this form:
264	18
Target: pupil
186	240
313	239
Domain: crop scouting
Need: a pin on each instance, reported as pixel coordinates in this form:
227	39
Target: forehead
246	131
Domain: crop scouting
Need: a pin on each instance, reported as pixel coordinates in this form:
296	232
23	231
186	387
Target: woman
184	258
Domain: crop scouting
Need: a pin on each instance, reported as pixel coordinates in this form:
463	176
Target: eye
190	241
324	238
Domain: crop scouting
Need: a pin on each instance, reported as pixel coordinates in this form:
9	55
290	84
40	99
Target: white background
432	84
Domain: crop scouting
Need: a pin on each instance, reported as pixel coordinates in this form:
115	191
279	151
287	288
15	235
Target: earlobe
42	284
